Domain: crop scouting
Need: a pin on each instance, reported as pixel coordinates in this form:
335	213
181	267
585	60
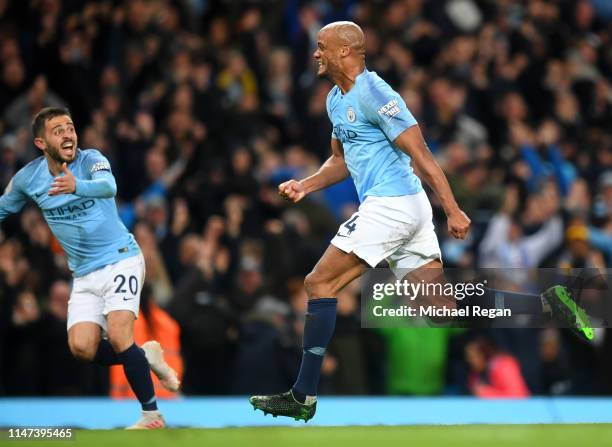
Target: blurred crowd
203	107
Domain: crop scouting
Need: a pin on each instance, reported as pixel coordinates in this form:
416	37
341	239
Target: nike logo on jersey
37	195
127	299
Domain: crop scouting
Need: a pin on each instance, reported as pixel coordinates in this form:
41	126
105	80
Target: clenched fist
292	190
458	224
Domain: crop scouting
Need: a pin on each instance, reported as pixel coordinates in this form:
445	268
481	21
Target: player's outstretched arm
334	170
12	200
412	143
101	186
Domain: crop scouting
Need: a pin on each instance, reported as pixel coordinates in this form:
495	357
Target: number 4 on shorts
351	225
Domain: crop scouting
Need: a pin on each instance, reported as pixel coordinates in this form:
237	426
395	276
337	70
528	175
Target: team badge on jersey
350	115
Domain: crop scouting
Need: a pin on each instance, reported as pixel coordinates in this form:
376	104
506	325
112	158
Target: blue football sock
136	368
106	355
318	331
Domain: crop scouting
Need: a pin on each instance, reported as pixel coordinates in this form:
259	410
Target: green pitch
417	436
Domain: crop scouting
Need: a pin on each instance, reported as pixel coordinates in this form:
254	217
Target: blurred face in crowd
219	32
26	308
156	212
138	14
189	249
241	161
475	358
549	345
59	139
13	73
515	232
250	281
155	164
38	92
514	107
584	14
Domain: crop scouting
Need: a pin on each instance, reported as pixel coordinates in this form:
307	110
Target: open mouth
68	147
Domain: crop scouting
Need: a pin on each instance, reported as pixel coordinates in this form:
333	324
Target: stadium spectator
556	379
266	332
204	108
494	374
416	360
505	244
579	253
64	375
344	365
22	375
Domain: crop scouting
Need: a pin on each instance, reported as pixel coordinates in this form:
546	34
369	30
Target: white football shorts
398	229
113	287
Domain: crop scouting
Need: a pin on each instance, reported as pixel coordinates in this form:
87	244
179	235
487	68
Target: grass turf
426	436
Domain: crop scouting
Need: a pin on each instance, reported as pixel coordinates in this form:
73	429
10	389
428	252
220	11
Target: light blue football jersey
367	119
85	223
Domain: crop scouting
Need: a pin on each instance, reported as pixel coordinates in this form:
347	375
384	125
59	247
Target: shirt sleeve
329	115
506	379
544	241
385	108
13	198
99	181
496	234
96	163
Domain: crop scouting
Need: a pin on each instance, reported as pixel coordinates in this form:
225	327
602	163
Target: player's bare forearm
433	175
412	143
334	170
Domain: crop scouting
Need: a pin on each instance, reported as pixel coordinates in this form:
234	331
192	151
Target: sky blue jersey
367	119
85	223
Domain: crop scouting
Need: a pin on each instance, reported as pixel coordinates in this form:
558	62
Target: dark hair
485	346
38	124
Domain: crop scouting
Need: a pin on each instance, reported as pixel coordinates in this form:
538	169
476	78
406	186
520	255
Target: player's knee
83	348
120	330
317	286
120	340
